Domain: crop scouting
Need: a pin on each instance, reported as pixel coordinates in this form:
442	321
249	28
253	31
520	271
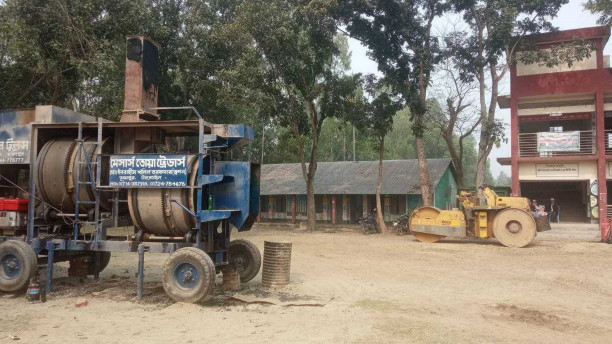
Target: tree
603	8
376	120
50	50
484	52
295	40
399	37
503	179
456	119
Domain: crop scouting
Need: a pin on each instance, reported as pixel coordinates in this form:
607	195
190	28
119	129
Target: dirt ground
374	288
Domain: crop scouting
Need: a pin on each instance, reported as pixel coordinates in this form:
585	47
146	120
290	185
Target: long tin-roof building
345	190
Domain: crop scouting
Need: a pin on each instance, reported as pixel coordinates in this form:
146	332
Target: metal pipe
77	184
32	186
69	215
177	108
183	207
141	251
198	209
99	231
50	249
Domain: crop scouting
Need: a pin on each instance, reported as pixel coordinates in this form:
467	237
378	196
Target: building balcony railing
608	139
528	146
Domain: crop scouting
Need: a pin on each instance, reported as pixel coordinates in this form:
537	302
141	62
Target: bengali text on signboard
14	152
148	171
556	170
568	141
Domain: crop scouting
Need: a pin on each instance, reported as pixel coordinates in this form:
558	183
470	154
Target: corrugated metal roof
347	177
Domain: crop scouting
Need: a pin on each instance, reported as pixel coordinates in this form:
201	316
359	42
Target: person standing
553	211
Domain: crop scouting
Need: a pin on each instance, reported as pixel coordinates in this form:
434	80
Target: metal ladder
90	181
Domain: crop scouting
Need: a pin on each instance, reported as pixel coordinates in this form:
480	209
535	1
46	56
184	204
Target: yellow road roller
506	218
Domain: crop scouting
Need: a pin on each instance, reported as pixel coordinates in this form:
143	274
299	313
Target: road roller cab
506	218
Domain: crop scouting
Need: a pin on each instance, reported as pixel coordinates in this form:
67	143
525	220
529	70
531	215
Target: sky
570	16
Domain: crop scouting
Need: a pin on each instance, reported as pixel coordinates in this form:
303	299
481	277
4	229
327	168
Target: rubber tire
29	263
206	269
104	260
527	227
252	255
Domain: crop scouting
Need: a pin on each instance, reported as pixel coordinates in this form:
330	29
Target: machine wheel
245	258
18	264
188	275
425	213
104	260
514	227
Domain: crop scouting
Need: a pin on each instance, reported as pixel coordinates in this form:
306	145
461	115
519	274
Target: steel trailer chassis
212	139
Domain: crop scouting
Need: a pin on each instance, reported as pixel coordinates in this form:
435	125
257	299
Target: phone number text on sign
148	171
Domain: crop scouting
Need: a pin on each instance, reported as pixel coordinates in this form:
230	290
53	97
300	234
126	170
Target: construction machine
508	219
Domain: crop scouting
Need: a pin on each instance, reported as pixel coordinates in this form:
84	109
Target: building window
556	129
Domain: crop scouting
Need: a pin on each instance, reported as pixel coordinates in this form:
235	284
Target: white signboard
568	141
14	152
609	140
556	170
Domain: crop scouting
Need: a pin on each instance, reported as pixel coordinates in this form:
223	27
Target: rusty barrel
276	264
231	280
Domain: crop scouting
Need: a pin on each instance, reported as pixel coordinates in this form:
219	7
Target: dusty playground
373	289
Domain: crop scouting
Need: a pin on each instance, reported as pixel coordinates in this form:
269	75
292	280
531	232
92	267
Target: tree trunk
382	228
423	172
460	178
263	141
312	224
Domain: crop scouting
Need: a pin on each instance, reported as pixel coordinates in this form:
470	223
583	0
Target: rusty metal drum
276	264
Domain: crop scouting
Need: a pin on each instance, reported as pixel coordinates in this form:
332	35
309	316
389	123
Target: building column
346	210
364	205
601	164
293	209
333	205
514	146
271	207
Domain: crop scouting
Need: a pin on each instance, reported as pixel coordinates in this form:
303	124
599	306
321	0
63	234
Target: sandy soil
377	289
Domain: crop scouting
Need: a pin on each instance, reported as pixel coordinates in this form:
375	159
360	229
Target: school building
345	191
561	128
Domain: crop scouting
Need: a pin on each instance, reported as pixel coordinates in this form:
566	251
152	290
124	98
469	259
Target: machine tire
104	260
514	227
188	275
18	263
241	253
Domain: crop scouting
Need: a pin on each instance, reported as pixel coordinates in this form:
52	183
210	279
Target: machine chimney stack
141	81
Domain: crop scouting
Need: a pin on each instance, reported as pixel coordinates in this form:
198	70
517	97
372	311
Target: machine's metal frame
208	143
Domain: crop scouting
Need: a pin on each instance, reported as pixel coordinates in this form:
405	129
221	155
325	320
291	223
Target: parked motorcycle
368	224
402	225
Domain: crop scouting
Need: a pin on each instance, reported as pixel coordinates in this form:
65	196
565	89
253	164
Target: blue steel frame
207	144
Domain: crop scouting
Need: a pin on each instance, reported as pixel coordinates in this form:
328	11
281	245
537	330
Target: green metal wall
445	194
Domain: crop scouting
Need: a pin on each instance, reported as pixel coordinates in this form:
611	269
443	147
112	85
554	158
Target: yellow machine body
506	218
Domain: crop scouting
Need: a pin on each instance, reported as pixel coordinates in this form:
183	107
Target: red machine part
14	204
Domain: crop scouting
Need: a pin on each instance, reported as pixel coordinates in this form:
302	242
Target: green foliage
398	36
560	54
503	179
495	26
260	63
601	7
